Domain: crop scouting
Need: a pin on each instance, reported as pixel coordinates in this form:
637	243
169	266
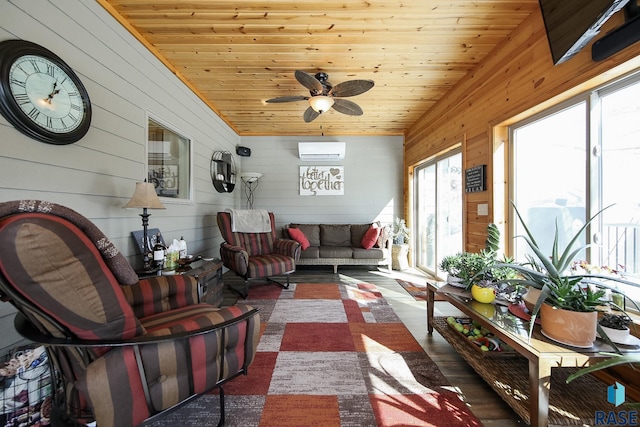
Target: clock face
40	94
46	94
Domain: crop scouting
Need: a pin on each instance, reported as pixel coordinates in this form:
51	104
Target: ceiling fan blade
287	99
347	107
310	115
351	88
309	81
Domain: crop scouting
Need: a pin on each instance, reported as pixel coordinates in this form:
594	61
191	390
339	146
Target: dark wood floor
480	398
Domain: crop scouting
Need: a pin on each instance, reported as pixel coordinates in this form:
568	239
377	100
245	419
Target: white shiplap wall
372	172
97	175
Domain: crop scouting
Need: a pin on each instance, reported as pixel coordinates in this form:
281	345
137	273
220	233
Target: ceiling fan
324	95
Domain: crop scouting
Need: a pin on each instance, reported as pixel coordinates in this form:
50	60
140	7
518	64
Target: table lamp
145	197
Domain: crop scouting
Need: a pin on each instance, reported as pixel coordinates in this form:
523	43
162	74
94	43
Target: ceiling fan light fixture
321	103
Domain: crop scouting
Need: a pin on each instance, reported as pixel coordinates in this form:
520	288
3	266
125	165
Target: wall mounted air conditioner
321	151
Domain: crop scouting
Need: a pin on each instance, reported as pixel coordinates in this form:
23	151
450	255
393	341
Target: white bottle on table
182	248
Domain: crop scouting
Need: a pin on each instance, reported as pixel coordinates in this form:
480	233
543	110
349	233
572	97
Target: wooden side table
209	277
208	273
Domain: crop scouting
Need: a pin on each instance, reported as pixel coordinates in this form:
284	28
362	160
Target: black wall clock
40	95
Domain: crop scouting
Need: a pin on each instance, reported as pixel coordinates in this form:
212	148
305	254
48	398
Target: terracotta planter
530	298
577	329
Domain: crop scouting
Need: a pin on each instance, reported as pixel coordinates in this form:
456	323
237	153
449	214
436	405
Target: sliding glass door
438	210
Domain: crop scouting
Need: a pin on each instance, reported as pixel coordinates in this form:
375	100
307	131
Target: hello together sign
321	180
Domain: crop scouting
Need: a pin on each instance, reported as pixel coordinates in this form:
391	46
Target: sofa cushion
311	232
370	238
297	235
313	252
373	253
357	233
335	235
336	252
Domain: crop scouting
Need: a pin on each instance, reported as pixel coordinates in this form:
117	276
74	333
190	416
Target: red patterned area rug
418	292
331	355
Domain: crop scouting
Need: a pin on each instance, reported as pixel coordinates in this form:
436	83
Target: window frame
417	227
593	147
180	161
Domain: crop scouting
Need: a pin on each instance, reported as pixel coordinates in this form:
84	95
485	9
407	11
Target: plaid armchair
257	255
123	350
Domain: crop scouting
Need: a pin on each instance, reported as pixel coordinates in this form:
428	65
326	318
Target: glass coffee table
523	375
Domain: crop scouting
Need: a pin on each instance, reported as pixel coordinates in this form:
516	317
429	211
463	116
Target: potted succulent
496	274
616	326
563	297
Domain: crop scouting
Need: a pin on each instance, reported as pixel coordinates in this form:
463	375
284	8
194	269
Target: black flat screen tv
571	24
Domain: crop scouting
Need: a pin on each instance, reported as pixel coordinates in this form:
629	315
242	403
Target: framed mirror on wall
169	161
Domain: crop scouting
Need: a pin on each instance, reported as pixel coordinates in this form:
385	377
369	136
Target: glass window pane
439	211
169	161
621	156
549	173
425	218
449	217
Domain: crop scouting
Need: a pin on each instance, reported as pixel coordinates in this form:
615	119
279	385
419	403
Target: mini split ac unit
321	151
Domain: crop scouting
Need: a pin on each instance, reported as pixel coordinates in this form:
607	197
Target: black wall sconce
223	171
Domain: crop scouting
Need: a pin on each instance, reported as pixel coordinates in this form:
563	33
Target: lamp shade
250	177
321	103
145	197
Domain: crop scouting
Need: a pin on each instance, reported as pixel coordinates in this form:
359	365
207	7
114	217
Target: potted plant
616	326
480	272
400	232
462	268
563	294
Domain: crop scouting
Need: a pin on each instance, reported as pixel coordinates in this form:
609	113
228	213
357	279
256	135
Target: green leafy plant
568	294
551	274
492	244
465	265
480	268
494	271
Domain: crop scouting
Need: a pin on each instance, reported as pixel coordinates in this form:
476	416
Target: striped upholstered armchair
123	350
257	255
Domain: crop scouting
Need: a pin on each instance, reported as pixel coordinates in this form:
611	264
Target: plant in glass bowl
574	297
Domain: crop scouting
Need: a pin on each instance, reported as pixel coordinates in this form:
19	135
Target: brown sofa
341	244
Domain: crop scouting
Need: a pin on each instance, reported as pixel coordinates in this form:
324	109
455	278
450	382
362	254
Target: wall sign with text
475	179
321	180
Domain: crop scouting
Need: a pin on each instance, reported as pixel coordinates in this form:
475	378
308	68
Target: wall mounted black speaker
618	39
243	151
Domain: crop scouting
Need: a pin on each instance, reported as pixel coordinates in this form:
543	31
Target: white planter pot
616	335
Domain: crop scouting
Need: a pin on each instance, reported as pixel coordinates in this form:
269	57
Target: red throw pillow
299	237
370	237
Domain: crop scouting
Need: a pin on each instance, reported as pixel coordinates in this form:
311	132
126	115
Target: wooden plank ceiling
237	54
